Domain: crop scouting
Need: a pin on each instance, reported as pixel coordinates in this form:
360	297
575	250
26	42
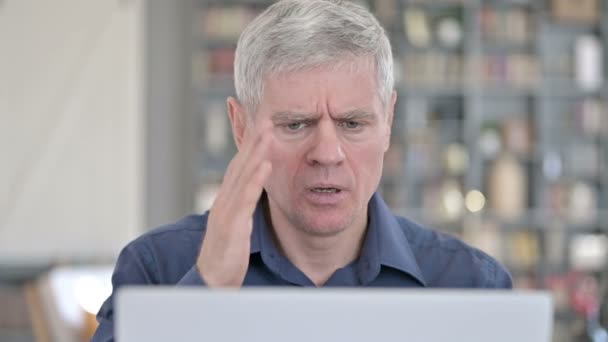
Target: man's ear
238	120
390	112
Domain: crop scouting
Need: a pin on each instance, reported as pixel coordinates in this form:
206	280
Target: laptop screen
286	314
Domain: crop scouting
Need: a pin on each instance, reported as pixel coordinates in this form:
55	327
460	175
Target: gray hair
295	35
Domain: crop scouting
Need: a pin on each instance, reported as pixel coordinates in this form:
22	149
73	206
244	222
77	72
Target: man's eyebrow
291	116
357	114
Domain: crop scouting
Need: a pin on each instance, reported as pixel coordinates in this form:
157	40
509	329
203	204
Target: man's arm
502	277
132	268
135	266
223	258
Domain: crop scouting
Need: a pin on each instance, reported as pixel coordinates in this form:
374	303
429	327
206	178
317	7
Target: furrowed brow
357	114
291	116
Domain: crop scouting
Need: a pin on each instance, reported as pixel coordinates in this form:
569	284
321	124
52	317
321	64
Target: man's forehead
360	64
305	93
357	113
360	68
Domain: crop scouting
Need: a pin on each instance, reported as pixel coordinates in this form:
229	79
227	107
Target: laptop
156	314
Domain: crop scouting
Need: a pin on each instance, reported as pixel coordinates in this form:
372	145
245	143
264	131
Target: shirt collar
385	243
259	227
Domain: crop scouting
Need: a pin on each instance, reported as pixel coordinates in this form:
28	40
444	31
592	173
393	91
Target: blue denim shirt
396	253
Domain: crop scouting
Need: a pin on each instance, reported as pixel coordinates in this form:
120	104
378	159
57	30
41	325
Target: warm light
452	202
77	289
588	252
474	201
456	159
91	292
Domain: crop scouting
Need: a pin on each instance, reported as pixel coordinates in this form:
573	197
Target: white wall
70	128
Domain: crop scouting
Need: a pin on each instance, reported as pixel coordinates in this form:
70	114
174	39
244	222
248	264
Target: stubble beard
308	225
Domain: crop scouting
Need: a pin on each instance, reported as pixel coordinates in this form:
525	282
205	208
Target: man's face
331	131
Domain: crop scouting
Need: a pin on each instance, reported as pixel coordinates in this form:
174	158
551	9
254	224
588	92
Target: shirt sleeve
192	278
135	266
502	278
130	269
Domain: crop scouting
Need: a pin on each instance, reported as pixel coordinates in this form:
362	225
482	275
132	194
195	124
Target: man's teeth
325	190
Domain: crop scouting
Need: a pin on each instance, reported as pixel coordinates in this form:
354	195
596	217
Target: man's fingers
253	135
225	248
253	138
253	161
256	185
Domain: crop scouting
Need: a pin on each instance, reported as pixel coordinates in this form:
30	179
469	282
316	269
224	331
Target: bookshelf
500	133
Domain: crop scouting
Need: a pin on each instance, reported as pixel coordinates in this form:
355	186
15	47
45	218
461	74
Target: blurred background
113	121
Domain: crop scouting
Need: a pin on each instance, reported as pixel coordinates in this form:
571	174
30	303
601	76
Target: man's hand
224	256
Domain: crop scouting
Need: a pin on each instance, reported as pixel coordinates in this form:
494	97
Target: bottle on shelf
507	183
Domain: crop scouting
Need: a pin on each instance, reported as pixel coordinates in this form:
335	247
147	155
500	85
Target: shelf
567	89
429	90
497	47
527	159
232	3
506	92
438	3
215	85
536	220
411	49
556	26
211	43
510	3
451	94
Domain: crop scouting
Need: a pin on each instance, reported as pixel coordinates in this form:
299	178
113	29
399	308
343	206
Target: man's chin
324	225
322	231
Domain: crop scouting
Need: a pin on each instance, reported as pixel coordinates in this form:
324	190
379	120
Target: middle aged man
298	204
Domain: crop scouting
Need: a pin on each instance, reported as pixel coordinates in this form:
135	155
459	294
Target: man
298	204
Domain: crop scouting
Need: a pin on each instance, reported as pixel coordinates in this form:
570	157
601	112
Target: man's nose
327	147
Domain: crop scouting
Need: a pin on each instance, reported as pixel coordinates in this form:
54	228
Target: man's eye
351	124
296	126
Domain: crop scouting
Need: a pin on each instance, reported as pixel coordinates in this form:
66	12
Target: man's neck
319	256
